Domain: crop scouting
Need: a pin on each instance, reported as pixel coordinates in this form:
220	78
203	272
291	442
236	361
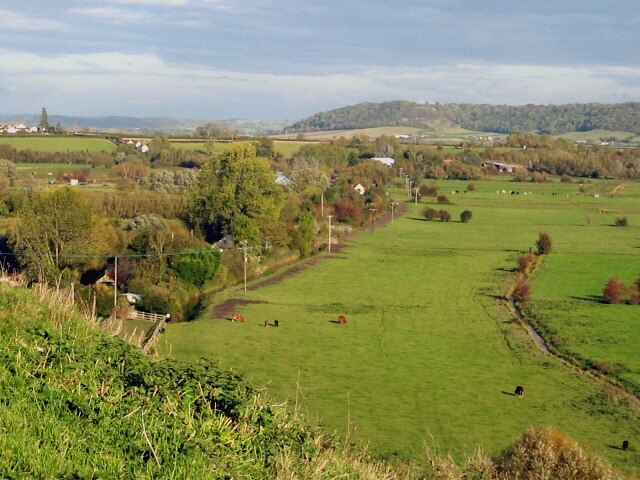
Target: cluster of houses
141	146
18	128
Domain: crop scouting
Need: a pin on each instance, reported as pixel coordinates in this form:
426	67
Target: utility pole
417	190
393	206
330	217
372	211
115	284
245	249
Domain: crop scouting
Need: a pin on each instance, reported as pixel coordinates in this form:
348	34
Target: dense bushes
551	454
465	216
617	292
432	214
196	266
544	244
522	290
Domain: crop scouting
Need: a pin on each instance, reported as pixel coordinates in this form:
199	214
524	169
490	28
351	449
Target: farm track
225	309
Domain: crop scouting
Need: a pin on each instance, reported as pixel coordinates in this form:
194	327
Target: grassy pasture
594	135
40	172
429	356
59	144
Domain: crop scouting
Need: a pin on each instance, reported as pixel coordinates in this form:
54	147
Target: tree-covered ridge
547	119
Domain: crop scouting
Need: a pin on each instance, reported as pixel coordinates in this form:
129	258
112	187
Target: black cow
625	445
519	391
276	323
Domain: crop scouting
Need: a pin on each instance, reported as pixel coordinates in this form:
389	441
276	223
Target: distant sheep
519	391
342	319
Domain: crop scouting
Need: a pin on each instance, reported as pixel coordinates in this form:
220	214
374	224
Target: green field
59	144
595	135
430	355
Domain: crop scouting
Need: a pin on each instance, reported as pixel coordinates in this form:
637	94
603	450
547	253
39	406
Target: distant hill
544	119
144	125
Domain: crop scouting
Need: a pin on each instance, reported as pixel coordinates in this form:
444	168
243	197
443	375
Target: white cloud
11	20
117	15
118	83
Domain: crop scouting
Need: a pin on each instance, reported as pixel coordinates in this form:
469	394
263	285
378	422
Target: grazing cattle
342	319
276	323
237	317
625	445
266	323
519	391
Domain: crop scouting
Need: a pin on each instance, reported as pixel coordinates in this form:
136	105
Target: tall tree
56	231
44	120
233	183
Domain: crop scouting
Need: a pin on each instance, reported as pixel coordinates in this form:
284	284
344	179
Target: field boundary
569	361
223	309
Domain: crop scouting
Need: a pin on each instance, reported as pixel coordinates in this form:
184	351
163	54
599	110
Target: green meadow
59	144
430	355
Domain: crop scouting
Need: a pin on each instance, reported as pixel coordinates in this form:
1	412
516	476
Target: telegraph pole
330	217
373	219
393	206
115	284
245	249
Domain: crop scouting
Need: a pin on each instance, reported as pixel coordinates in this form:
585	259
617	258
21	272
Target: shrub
524	262
465	216
614	291
522	290
430	214
444	216
548	453
544	244
622	222
539	177
471	187
429	190
566	178
442	199
196	266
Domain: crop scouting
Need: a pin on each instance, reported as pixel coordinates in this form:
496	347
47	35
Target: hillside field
430	355
59	144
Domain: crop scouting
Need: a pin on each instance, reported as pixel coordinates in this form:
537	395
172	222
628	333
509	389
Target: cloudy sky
279	59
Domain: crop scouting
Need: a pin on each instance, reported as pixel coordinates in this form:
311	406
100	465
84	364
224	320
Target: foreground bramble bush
547	454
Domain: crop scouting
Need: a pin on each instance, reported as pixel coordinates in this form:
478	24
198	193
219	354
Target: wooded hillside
545	119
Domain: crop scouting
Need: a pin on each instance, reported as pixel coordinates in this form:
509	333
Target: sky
285	60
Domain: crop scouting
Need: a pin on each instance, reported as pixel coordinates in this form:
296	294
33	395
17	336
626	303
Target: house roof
386	160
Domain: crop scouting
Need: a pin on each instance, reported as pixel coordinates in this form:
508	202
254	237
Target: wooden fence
149	317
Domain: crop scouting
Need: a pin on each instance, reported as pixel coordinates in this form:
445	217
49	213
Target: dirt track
225	309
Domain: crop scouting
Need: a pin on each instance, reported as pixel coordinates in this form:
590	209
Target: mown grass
429	356
59	144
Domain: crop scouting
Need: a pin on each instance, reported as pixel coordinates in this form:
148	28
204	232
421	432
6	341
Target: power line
112	255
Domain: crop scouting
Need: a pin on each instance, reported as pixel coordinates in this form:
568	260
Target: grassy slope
78	404
428	356
59	144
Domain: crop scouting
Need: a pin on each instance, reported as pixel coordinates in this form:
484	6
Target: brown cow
266	323
237	317
342	319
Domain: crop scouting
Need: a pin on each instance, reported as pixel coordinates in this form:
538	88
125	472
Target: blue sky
278	59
